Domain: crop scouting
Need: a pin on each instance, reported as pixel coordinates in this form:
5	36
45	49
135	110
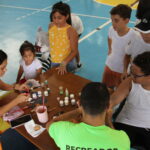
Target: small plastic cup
42	114
73	101
61	103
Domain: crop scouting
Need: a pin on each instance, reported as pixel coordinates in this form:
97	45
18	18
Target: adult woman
10	137
6	87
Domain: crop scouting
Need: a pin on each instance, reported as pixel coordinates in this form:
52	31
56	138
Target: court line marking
95	30
106	18
24	8
43	10
34	12
37	11
131	5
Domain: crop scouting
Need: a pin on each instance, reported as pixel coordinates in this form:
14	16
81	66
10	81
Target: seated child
29	65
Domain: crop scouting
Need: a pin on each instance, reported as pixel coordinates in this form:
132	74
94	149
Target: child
75	22
29	65
63	40
118	38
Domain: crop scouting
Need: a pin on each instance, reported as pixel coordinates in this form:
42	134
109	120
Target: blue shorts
71	66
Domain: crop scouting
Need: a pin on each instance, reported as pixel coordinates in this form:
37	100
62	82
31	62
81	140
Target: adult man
91	133
140	43
134	117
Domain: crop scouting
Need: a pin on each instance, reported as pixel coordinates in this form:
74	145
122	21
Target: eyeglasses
137	76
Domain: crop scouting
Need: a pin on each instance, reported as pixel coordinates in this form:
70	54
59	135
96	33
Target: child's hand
62	69
21	98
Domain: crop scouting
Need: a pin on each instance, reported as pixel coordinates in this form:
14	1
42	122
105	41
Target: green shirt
71	136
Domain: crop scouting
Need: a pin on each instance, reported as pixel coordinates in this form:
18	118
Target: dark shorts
139	137
12	140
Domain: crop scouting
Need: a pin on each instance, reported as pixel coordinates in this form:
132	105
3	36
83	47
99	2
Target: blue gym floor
21	18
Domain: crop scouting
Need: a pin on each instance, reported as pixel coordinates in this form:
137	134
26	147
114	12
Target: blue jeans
71	66
12	140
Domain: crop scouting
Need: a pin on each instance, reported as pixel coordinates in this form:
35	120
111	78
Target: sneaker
79	65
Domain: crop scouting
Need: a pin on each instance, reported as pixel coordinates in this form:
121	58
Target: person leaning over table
4	86
9	137
134	117
91	133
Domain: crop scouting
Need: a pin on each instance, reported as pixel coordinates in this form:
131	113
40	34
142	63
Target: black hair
143	62
124	11
94	98
143	7
63	9
3	56
25	47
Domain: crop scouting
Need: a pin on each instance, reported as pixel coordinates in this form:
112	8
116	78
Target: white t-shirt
136	111
119	43
30	70
77	23
137	46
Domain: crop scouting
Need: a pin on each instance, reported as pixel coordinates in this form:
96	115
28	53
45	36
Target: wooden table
70	81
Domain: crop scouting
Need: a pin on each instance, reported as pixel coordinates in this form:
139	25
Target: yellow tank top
59	43
3	125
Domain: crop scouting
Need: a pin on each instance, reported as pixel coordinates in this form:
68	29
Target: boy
140	42
91	133
118	38
134	117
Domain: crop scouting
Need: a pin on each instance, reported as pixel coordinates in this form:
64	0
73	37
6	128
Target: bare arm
6	87
73	38
126	64
20	72
118	96
65	117
109	45
19	99
121	93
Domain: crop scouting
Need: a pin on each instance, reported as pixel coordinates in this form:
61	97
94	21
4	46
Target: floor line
24	8
95	30
92	16
34	12
37	11
44	10
106	18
